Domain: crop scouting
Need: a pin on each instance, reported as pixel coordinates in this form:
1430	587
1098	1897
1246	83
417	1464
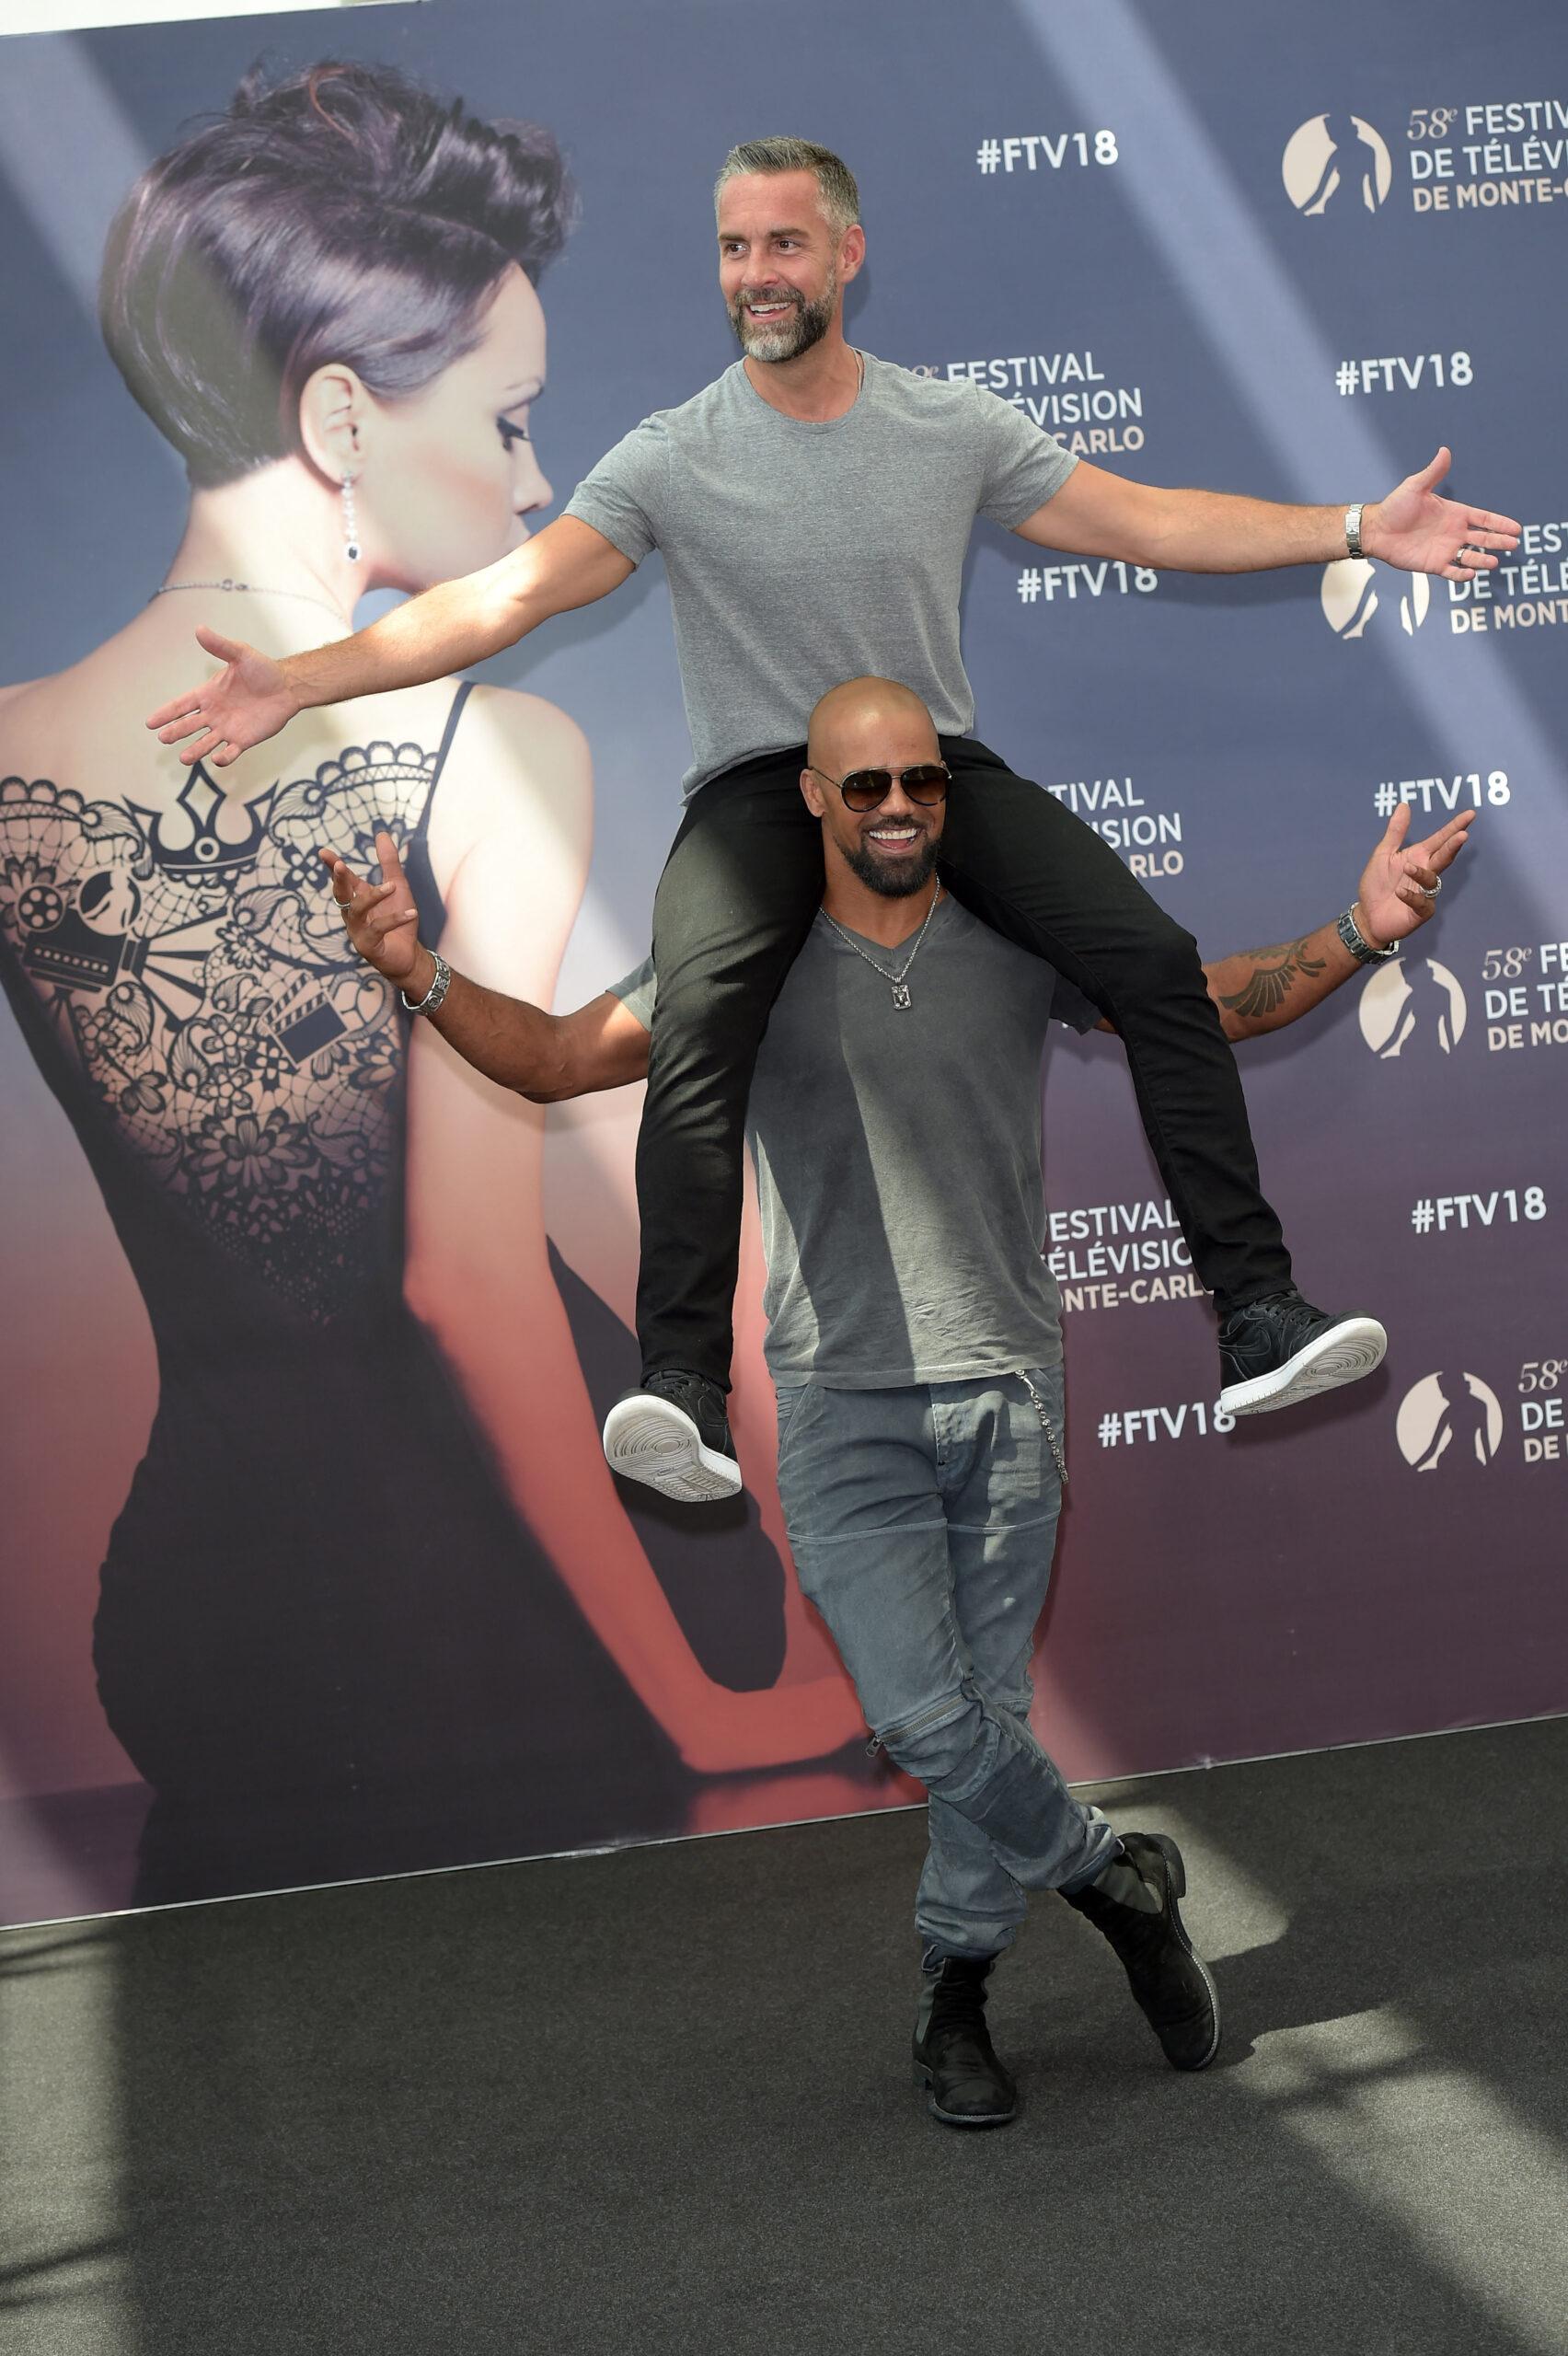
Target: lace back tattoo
193	965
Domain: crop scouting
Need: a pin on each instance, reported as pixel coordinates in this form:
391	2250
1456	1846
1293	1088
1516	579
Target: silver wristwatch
1353	530
1356	941
437	990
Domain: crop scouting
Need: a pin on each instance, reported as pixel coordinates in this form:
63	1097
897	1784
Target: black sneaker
673	1435
1280	1349
955	2057
1134	1903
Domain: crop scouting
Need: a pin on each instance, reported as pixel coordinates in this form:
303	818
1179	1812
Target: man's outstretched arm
1262	990
546	1057
551	1057
1097	514
445	630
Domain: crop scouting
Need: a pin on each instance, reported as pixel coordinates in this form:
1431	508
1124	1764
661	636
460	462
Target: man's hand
1401	881
1423	533
381	919
249	701
1262	990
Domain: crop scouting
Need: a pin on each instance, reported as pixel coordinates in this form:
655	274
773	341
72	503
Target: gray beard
896	879
791	336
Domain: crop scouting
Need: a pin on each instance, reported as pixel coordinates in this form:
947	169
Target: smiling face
447	476
782	266
893	848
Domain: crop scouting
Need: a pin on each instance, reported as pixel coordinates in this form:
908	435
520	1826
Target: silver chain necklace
898	980
251	589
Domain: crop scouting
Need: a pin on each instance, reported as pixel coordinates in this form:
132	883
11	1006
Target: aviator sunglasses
863	788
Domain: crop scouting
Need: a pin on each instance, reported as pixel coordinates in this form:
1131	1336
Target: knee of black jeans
714	1020
1167	962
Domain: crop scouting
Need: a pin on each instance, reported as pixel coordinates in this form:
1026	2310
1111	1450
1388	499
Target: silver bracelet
1356	941
437	990
1353	529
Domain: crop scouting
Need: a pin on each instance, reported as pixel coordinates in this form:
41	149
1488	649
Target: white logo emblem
1350	597
1408	1006
1333	151
1449	1419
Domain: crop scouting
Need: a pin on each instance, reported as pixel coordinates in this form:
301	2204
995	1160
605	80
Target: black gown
323	1636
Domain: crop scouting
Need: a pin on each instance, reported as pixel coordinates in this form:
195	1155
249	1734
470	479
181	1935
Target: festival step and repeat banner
314	1570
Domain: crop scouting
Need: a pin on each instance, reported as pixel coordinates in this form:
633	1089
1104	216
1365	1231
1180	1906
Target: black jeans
736	900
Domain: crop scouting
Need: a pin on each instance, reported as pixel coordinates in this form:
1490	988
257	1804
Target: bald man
914	1334
674	1436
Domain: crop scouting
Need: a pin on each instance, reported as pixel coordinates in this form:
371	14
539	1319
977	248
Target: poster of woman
373	1602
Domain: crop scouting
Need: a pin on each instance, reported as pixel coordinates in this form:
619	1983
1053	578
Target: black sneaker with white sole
673	1435
1277	1350
1133	1903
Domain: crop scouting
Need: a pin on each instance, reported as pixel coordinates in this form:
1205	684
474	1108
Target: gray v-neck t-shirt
898	1161
802	553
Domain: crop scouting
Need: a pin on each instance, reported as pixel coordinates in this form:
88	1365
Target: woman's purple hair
343	215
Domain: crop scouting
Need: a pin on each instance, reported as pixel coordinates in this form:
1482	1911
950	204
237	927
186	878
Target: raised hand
1420	531
246	701
1401	881
381	919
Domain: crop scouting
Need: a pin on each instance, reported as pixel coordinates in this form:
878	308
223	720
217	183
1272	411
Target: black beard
811	323
896	879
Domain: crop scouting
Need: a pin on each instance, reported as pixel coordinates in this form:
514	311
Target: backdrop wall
1290	258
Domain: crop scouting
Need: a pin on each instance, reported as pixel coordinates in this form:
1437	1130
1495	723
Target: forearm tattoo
1276	971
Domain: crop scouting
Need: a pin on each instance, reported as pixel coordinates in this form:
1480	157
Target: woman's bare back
176	937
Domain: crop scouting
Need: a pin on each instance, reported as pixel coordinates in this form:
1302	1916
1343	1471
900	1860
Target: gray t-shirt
898	1159
799	554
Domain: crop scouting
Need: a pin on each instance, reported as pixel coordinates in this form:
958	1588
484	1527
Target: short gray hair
835	181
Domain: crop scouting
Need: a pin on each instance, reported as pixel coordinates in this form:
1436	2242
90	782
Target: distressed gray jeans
922	1521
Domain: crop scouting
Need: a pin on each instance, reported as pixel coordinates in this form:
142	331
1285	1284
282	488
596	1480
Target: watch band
1356	941
437	990
1353	530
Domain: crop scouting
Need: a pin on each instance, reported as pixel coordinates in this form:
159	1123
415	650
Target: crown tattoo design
195	844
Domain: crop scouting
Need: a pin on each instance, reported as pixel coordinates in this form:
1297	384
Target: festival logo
1351	596
1337	155
1067	394
1448	1419
1413	1009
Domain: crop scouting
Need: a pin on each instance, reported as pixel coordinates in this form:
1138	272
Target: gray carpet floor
660	2099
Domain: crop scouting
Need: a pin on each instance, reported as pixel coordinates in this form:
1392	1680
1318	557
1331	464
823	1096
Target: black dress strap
464	689
416	851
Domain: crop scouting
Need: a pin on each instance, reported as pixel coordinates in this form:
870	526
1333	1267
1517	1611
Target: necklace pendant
901	995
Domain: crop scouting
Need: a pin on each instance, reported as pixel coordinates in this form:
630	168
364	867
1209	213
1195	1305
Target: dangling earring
350	522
